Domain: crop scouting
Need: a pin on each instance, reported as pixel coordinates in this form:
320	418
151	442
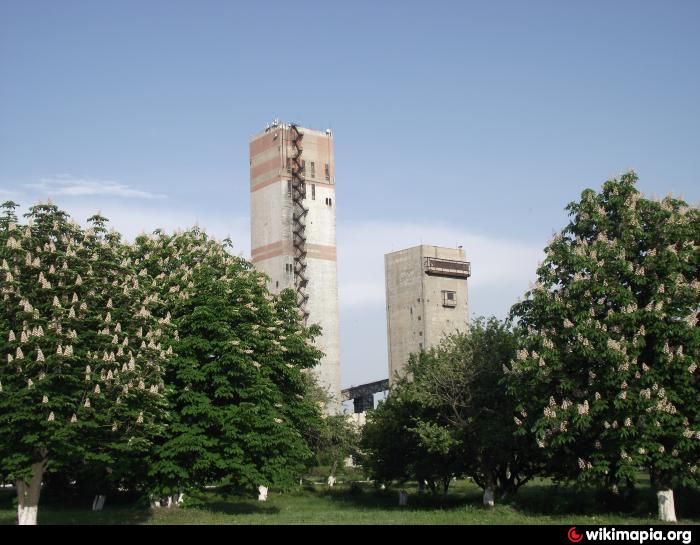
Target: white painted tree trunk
26	516
99	502
262	493
331	480
28	495
180	498
403	498
667	510
488	496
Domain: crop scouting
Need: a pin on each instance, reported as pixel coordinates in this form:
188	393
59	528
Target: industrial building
426	298
292	212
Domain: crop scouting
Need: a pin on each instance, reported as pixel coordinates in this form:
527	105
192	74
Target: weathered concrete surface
418	315
271	231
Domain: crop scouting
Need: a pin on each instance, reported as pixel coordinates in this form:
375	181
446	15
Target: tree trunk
331	477
445	486
99	502
667	510
403	498
489	491
28	495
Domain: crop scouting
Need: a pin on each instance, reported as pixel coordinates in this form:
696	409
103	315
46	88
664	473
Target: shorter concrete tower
426	298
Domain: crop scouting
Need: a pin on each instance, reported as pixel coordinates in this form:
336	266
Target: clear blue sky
455	122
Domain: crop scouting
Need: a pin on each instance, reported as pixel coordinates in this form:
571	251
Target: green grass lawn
537	503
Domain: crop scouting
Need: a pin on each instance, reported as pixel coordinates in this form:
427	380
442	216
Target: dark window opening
313	192
449	298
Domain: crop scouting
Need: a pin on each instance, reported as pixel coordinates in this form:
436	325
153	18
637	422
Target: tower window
289	164
449	298
289	188
312	169
328	171
313	192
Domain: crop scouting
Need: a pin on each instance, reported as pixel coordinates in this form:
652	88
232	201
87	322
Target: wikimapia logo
573	535
637	536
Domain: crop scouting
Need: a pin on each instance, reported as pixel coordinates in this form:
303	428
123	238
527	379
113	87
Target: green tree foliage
75	385
462	379
452	415
607	371
403	438
237	385
339	437
336	437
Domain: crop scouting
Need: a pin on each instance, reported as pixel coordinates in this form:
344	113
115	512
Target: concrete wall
416	316
271	231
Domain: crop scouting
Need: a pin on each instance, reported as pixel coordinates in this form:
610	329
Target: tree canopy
237	390
82	376
164	364
451	415
607	370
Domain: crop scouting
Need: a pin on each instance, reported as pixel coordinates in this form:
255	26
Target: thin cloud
501	268
501	272
131	221
6	194
68	186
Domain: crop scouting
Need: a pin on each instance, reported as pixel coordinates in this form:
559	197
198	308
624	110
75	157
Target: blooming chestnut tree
238	390
81	371
607	372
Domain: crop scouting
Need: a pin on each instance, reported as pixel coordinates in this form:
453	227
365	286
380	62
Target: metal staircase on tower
299	212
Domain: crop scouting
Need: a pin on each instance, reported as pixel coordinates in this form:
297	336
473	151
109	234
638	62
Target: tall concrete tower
292	205
426	298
